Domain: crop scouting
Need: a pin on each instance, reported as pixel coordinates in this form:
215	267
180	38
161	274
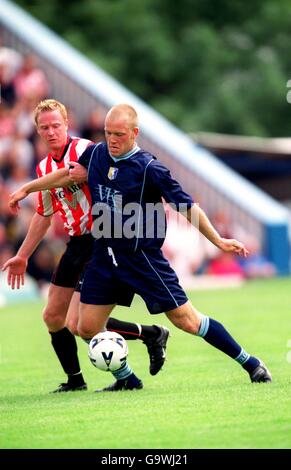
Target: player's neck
58	153
126	155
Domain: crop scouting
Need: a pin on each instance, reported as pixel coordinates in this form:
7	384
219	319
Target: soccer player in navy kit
123	178
74	205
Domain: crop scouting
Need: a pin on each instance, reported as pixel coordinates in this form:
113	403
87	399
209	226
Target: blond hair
50	105
126	112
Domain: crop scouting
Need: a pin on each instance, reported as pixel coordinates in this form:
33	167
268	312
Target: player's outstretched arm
56	179
199	219
17	265
16	269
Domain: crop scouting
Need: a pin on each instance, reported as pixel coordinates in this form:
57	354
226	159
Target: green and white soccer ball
108	351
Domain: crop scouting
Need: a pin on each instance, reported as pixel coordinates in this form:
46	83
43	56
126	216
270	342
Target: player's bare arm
199	219
56	179
17	265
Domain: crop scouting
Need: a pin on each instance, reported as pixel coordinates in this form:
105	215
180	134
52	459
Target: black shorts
72	263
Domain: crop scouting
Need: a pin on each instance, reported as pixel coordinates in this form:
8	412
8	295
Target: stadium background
152	69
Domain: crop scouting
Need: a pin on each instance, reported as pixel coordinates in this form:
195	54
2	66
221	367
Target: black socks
131	331
65	346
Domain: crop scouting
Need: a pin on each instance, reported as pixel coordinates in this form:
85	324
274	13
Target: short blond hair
50	105
124	111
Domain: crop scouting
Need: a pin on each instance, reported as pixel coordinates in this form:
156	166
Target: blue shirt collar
129	154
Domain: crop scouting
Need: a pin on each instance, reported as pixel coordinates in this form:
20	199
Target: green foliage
207	66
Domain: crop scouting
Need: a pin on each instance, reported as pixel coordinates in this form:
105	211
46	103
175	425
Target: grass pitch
200	400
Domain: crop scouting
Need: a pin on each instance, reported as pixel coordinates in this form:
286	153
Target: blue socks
123	373
215	334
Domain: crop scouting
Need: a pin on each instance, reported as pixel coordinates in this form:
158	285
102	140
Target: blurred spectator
40	151
4	209
3	238
10	59
221	263
73	123
181	245
23	84
6	248
21	154
42	263
24	117
6	251
94	126
7	121
256	265
20	175
225	264
222	224
30	80
7	87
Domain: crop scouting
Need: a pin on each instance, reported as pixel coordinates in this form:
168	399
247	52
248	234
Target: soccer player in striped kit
74	205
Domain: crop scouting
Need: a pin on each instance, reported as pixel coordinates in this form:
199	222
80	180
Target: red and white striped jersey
73	202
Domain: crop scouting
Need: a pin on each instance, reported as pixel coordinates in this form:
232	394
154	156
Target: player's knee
73	327
188	324
52	318
186	320
86	331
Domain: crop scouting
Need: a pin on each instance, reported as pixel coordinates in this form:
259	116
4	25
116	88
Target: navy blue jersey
127	194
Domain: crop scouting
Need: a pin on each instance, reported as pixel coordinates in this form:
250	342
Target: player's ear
136	131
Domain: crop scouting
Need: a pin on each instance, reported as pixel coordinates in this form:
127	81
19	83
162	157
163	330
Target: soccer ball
108	351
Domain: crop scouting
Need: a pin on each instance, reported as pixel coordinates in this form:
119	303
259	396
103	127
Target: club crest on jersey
112	173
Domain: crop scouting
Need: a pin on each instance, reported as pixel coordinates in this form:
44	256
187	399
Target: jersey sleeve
85	157
46	205
161	179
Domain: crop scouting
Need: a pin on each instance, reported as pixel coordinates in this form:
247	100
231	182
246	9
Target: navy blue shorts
73	261
114	278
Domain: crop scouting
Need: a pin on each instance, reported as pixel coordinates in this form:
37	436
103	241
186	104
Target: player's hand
231	245
14	198
78	174
16	269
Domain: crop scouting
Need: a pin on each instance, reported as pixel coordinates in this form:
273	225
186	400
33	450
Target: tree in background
207	66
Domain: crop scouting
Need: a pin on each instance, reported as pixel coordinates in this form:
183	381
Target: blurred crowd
191	253
23	85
